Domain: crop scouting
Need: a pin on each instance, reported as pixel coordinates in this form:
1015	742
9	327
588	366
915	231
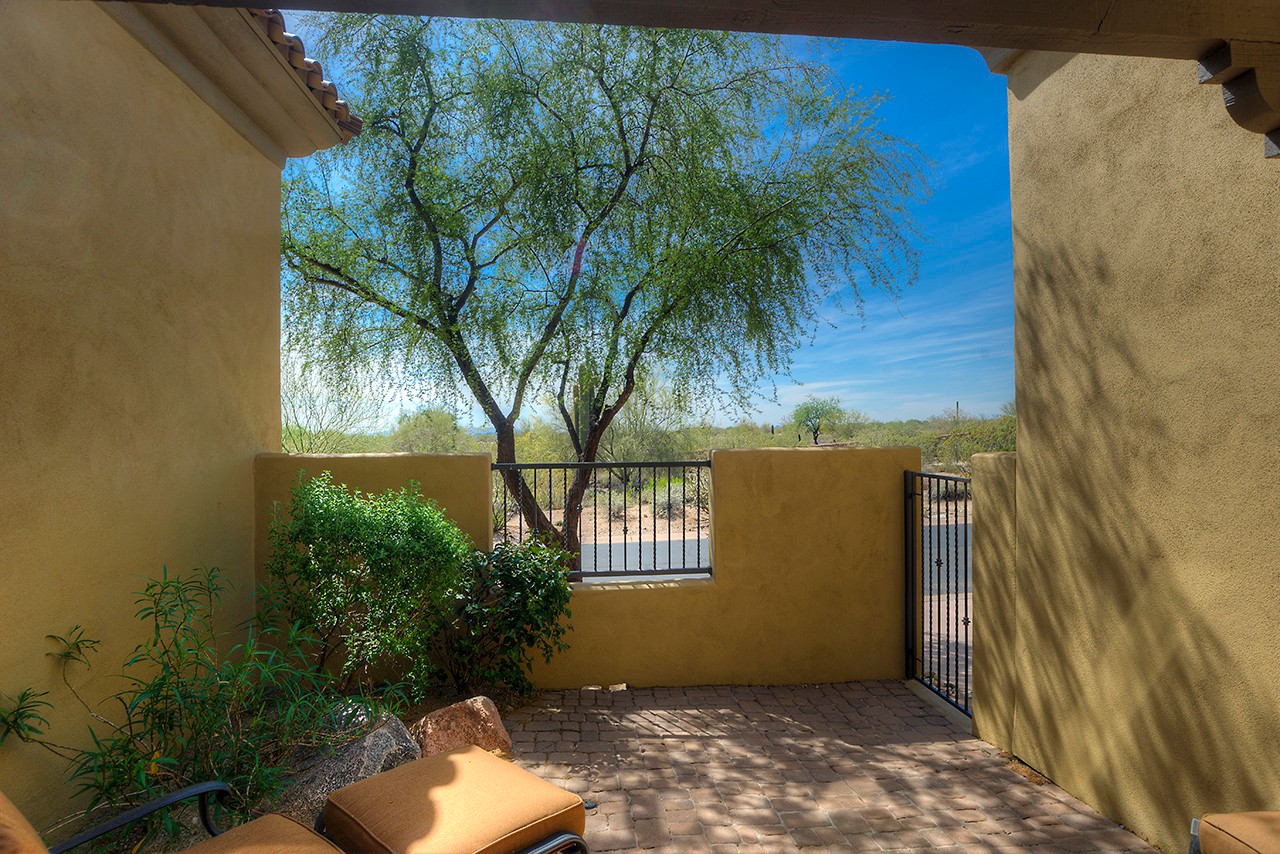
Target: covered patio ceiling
1237	42
1175	29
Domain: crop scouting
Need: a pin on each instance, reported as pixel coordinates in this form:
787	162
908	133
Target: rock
621	686
325	771
475	721
352	714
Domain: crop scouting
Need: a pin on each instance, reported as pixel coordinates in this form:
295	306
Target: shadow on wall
1135	693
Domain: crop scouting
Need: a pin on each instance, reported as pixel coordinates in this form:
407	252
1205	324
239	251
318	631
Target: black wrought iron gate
938	535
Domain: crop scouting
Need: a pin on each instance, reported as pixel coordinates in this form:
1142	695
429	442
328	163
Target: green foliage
813	412
22	716
844	423
191	713
509	606
325	409
671	495
976	437
434	430
947	440
547	211
653	427
75	647
892	434
367	574
744	434
539	440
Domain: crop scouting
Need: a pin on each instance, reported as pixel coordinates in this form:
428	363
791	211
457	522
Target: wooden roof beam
1183	29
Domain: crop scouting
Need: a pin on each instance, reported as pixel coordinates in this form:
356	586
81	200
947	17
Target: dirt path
599	525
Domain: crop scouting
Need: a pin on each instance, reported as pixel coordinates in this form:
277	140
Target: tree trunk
568	535
536	519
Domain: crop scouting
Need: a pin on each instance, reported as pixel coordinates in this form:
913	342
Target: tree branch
570	426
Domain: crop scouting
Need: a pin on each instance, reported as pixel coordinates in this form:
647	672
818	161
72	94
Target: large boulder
314	776
475	721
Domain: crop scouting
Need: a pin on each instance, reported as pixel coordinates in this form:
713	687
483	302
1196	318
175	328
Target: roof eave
228	58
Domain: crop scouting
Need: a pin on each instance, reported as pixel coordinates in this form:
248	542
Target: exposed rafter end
1216	66
1000	59
1249	73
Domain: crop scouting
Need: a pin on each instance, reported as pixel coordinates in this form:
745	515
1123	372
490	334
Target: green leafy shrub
190	713
508	607
369	575
391	588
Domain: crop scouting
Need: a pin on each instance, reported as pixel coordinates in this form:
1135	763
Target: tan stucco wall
139	351
1148	578
995	606
807	554
459	483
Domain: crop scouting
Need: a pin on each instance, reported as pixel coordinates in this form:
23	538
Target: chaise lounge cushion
465	800
1240	833
270	834
17	836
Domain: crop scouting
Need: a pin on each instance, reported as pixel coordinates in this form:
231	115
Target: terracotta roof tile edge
308	71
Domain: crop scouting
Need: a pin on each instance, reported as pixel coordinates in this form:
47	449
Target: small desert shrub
669	498
621	502
690	487
673	496
671	508
947	490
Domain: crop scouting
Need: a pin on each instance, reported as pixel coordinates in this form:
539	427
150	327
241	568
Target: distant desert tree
812	414
434	430
652	427
549	212
322	410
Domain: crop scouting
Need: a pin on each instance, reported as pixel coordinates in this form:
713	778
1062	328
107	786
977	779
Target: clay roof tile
308	70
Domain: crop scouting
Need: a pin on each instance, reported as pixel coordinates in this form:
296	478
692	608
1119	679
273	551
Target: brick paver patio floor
863	766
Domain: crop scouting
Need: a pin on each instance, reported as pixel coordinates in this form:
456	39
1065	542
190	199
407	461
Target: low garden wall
807	553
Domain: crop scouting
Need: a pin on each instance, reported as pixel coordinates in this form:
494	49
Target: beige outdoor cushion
17	836
465	801
1240	833
270	834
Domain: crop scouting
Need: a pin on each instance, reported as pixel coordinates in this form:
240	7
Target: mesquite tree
814	412
538	212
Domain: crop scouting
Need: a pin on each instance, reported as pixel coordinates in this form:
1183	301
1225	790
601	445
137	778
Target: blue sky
949	338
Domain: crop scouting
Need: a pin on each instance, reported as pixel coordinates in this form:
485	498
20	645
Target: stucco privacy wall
139	351
807	551
459	483
1148	579
995	605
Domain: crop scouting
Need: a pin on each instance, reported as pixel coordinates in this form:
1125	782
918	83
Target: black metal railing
939	577
630	519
